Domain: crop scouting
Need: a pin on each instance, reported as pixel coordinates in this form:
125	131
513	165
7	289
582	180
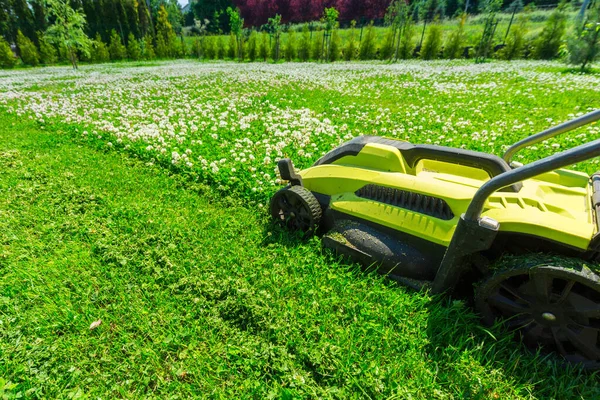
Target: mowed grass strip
201	296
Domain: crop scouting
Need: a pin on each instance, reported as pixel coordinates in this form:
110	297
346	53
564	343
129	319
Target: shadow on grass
579	71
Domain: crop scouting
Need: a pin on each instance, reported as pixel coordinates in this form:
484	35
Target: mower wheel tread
296	208
552	302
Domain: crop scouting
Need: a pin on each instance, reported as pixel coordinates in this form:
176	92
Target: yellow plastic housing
554	206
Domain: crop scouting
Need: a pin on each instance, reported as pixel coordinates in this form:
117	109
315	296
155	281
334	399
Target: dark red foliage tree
256	12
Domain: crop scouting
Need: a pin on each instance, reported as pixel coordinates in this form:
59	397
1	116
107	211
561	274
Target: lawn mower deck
439	216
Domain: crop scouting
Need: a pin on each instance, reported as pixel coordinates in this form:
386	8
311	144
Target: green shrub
515	42
584	45
7	58
165	36
252	47
456	42
387	49
304	46
350	49
432	43
263	49
210	51
147	48
48	53
196	49
490	10
405	51
242	48
316	51
231	47
178	47
334	46
289	51
28	51
367	47
134	52
221	47
547	45
116	49
99	51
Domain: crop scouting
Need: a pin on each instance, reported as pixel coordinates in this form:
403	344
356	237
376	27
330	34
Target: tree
28	51
7	58
405	51
398	17
429	10
165	36
350	49
147	48
290	46
330	21
22	19
584	44
367	47
454	45
214	11
515	6
274	28
253	46
263	49
68	29
549	41
490	9
210	50
221	48
47	51
334	47
433	43
99	51
304	47
316	51
231	47
134	52
515	42
116	49
236	23
387	50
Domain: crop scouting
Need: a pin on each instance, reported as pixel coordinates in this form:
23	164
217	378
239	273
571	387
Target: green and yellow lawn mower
525	237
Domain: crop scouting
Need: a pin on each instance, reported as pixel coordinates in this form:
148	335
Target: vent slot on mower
416	202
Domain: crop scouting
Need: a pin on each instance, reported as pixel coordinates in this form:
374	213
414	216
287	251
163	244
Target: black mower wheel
296	208
553	306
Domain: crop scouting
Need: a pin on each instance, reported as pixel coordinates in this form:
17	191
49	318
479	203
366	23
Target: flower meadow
228	124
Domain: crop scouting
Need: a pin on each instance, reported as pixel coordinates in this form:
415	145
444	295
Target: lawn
134	195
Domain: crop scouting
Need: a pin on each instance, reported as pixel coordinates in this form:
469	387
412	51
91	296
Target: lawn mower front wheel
555	308
296	208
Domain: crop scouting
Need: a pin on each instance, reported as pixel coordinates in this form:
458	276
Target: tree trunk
400	34
393	41
323	44
72	57
423	33
510	24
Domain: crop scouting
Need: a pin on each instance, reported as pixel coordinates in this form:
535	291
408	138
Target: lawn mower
521	241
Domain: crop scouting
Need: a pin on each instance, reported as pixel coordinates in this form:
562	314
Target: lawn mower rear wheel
555	307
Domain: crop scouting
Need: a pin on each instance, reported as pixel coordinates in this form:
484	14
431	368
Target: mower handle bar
551	132
548	164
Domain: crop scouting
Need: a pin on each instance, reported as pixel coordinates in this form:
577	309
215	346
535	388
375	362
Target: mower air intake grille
416	202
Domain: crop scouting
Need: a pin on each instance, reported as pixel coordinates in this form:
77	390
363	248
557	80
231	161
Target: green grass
200	295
